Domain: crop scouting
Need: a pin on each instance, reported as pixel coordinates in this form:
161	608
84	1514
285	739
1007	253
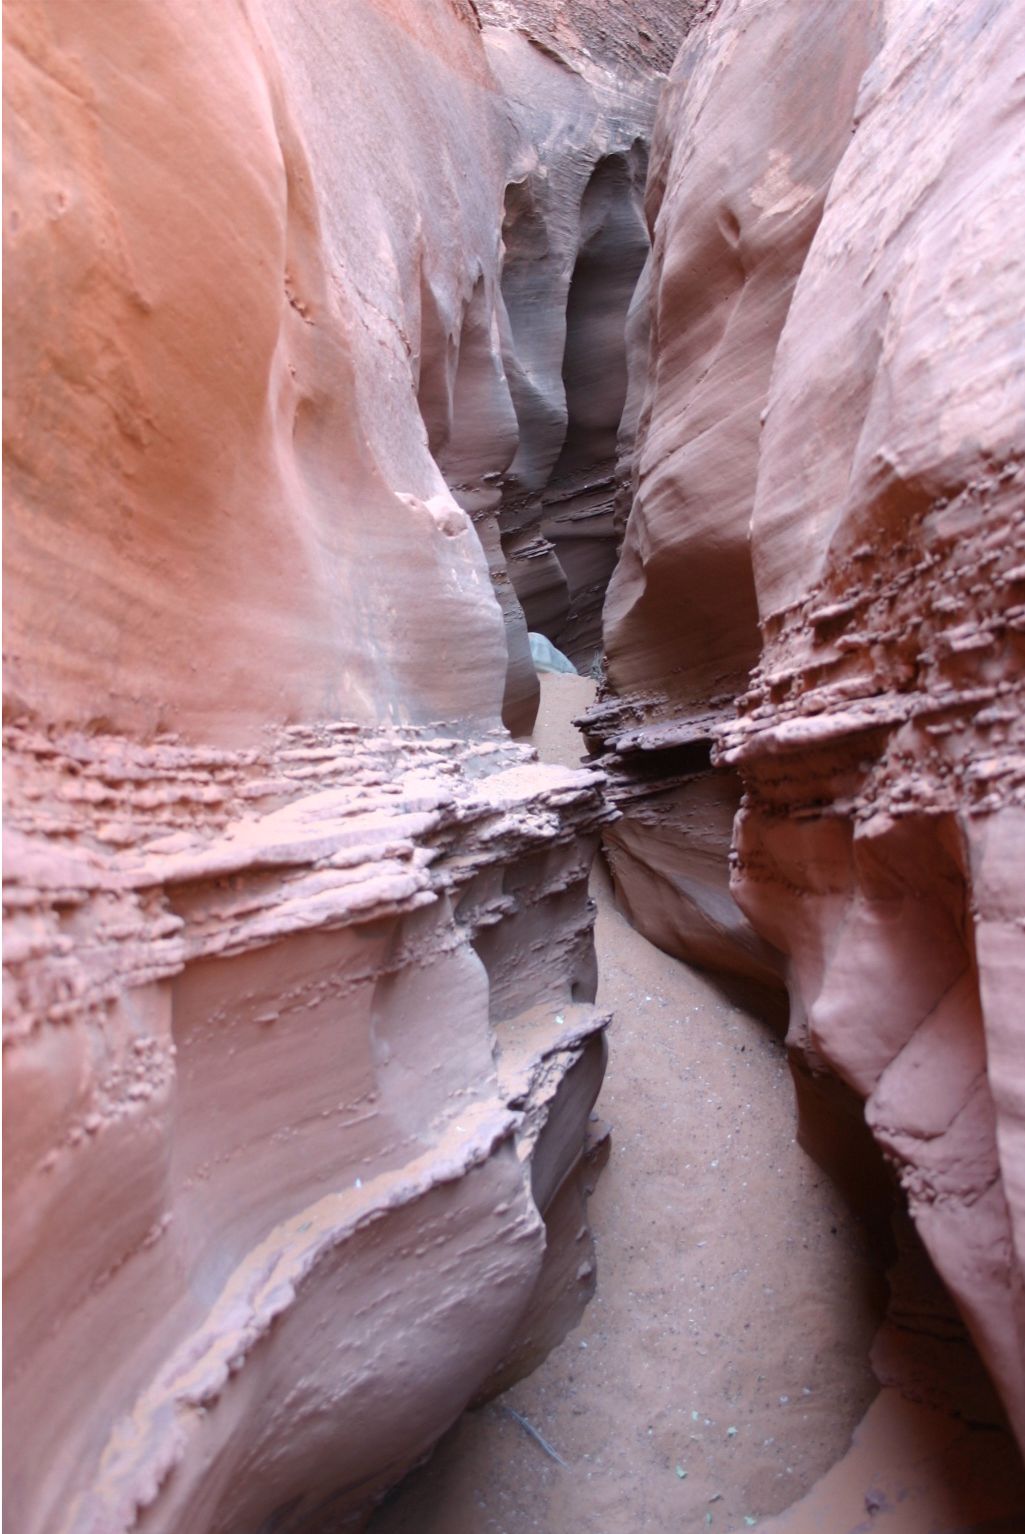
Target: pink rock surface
190	378
299	1037
299	1043
522	390
734	198
881	737
574	243
839	264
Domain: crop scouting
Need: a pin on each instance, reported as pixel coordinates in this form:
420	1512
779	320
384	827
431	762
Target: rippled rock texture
299	1042
582	81
734	198
574	241
522	386
830	492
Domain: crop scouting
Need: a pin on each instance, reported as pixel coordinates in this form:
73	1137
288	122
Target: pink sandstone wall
299	1044
829	496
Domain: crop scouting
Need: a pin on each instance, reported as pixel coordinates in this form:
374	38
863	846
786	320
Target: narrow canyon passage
365	361
724	1362
736	1302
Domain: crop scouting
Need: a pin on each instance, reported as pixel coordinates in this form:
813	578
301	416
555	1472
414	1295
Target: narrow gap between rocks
436	345
723	1361
718	1374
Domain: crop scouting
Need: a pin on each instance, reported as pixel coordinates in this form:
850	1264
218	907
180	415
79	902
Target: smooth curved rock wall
889	572
522	389
833	424
299	1050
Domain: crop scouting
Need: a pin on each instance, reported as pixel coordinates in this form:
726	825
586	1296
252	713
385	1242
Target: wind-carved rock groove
319	396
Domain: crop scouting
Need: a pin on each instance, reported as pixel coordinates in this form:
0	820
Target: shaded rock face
557	517
522	389
582	78
832	436
299	1042
574	241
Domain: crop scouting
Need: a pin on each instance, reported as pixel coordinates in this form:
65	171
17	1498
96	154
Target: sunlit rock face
831	443
299	1043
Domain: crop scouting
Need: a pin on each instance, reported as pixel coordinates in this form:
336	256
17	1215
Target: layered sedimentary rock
881	739
299	1048
874	327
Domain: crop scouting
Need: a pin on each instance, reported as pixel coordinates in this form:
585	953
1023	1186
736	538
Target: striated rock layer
840	261
286	1095
299	1044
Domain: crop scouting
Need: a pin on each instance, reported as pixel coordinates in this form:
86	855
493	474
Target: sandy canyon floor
722	1367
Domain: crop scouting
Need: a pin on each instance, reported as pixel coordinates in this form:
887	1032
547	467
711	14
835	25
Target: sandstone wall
582	83
573	246
831	440
299	1049
741	165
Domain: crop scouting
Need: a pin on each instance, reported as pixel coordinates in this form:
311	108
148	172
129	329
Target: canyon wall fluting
299	1037
829	525
583	81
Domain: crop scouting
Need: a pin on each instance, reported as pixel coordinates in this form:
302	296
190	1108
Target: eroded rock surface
299	1036
734	197
574	242
840	261
522	388
299	1040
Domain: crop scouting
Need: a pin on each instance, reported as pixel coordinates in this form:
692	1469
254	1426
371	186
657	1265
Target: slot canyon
514	793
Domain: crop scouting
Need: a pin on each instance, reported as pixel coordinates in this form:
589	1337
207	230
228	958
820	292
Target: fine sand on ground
723	1364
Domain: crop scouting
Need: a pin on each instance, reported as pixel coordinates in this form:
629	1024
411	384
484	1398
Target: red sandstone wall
741	165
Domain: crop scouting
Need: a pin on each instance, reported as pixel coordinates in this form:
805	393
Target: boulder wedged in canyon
299	1038
831	441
